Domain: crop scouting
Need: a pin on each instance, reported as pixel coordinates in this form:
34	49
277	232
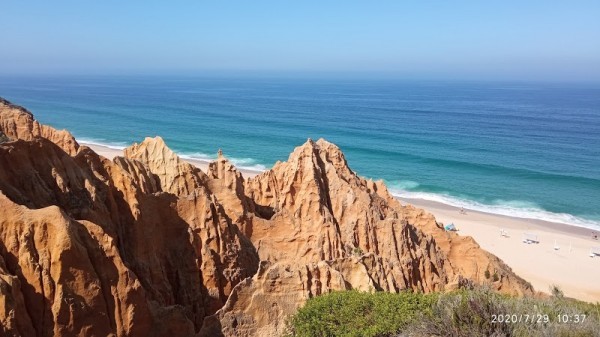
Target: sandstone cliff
18	123
149	245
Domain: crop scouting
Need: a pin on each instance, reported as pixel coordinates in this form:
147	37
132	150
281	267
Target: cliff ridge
147	244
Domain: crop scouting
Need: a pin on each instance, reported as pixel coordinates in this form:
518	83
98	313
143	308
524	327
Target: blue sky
529	40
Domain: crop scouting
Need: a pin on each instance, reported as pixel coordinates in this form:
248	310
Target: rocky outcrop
149	245
175	175
18	123
333	230
467	260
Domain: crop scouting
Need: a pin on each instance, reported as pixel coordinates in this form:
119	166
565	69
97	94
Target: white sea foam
110	145
512	208
248	164
198	156
404	185
258	168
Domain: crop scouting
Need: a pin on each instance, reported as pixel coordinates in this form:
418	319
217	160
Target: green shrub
487	274
357	251
458	313
470	313
359	314
556	291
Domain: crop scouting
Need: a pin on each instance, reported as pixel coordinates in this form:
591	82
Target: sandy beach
570	267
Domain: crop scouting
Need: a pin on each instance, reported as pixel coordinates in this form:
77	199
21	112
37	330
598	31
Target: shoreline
532	224
570	267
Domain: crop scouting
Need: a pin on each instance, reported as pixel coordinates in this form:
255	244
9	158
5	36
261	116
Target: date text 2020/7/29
537	318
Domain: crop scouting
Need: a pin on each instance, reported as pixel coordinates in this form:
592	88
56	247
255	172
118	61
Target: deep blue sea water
522	149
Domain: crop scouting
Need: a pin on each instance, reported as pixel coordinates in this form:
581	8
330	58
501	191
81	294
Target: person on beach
462	210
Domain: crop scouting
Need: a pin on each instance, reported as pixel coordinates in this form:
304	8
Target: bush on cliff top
471	313
358	314
459	313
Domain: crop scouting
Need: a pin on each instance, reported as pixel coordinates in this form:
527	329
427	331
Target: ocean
530	150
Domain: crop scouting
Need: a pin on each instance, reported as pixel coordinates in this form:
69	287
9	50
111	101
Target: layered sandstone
175	175
149	245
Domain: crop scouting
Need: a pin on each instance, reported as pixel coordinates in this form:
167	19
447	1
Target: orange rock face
149	245
18	123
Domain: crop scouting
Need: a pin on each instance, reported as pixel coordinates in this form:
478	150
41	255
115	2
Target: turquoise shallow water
523	149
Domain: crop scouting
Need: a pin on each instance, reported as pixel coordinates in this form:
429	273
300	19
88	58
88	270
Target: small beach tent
595	251
450	227
530	238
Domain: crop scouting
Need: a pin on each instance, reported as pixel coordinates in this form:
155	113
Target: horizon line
293	74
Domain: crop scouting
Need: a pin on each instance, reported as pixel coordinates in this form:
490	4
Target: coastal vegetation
466	312
3	137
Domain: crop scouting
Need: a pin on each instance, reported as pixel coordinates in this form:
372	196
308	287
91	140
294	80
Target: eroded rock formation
149	245
18	123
